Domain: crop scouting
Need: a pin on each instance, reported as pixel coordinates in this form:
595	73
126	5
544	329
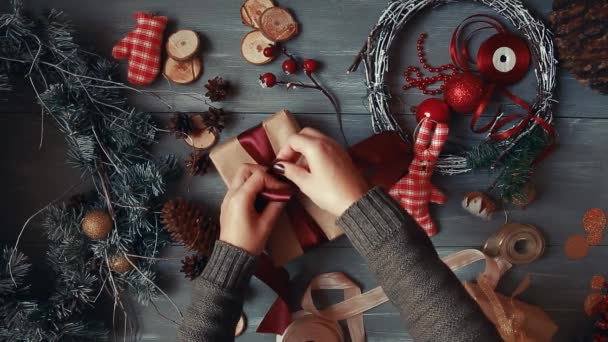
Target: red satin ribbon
278	317
256	143
461	57
383	159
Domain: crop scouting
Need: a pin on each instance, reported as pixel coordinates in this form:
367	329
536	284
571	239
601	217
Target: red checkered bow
414	191
142	47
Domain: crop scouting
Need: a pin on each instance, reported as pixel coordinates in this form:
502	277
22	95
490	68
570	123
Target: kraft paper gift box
283	244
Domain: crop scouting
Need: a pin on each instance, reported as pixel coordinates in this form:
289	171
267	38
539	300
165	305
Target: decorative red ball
289	66
270	51
463	92
310	66
268	80
434	109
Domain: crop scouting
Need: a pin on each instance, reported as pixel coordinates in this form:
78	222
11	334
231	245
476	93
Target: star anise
198	163
217	89
215	119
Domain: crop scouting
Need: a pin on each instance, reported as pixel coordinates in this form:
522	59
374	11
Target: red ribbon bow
382	158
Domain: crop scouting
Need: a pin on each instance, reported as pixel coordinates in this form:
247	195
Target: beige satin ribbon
313	324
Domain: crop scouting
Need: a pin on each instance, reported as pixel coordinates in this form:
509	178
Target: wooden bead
97	224
120	264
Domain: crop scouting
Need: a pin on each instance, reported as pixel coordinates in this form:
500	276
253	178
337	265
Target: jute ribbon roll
517	243
313	324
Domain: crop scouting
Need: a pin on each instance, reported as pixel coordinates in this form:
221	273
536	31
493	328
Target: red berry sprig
290	66
421	81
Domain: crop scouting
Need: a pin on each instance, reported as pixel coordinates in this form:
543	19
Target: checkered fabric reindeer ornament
415	191
142	47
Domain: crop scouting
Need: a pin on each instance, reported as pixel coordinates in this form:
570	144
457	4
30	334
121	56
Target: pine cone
181	125
192	266
198	163
217	89
187	223
215	119
581	36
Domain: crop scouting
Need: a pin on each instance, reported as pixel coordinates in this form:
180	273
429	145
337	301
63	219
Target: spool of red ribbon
503	58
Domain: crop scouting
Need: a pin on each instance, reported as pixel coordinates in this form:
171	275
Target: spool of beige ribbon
313	324
517	243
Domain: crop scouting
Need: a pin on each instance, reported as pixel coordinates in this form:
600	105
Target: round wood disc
252	10
278	25
252	48
201	138
183	72
240	326
183	45
576	247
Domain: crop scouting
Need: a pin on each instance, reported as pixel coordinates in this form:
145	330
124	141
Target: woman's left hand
241	225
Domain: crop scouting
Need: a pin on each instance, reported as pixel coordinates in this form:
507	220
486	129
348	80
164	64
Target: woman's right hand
326	174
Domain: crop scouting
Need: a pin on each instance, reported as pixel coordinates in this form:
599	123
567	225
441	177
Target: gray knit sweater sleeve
432	301
217	296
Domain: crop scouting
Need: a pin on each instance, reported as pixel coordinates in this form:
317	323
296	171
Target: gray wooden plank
332	31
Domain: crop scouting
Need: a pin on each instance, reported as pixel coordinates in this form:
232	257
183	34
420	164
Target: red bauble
310	66
268	80
463	92
289	66
434	109
270	51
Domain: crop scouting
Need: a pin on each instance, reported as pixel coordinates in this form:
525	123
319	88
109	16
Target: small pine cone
198	163
215	119
192	266
180	125
187	223
217	89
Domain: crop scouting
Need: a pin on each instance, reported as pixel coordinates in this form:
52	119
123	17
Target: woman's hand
326	175
240	224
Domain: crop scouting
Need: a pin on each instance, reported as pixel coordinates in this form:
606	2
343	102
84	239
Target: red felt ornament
463	92
434	109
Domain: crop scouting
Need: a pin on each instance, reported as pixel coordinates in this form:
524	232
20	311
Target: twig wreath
515	155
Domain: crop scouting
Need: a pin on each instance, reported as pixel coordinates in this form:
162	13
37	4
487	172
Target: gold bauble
528	196
120	264
97	224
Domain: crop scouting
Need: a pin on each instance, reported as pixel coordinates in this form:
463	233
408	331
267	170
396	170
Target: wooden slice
278	25
252	48
183	72
252	10
183	45
201	138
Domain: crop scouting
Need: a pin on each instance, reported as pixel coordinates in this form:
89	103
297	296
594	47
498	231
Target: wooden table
569	182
